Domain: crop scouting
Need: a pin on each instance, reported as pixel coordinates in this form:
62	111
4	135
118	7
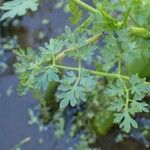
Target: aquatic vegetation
112	92
21	143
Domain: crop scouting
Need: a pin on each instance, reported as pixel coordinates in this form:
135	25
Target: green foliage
111	53
59	122
34	73
73	88
76	12
119	47
120	63
128	101
18	8
84	143
34	120
37	71
102	122
74	38
51	48
49	75
137	64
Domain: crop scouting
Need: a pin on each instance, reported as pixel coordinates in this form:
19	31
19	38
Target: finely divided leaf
51	74
73	89
127	122
76	12
18	8
128	104
117	105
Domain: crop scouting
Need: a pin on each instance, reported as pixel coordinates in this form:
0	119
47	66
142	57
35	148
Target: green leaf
135	63
37	70
85	53
125	106
110	52
78	41
76	12
125	120
51	48
64	103
18	8
138	85
117	105
137	107
116	89
73	38
128	122
74	89
51	74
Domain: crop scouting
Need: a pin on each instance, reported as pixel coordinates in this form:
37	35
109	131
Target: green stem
85	23
140	31
124	85
99	73
92	39
127	98
86	6
89	8
137	31
105	74
79	74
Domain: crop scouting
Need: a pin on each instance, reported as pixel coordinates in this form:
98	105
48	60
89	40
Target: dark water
14	109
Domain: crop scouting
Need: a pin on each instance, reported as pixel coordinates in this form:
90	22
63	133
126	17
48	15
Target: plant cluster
119	81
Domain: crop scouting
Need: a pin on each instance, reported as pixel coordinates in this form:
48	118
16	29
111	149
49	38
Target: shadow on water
32	31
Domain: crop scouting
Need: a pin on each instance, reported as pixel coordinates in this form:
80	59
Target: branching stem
145	33
86	6
104	74
98	73
92	39
61	55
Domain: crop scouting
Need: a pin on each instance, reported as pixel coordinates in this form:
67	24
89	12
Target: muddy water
33	31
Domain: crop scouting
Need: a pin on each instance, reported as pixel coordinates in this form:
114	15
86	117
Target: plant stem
140	31
92	39
24	141
61	55
99	73
79	74
105	74
86	6
143	32
127	98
